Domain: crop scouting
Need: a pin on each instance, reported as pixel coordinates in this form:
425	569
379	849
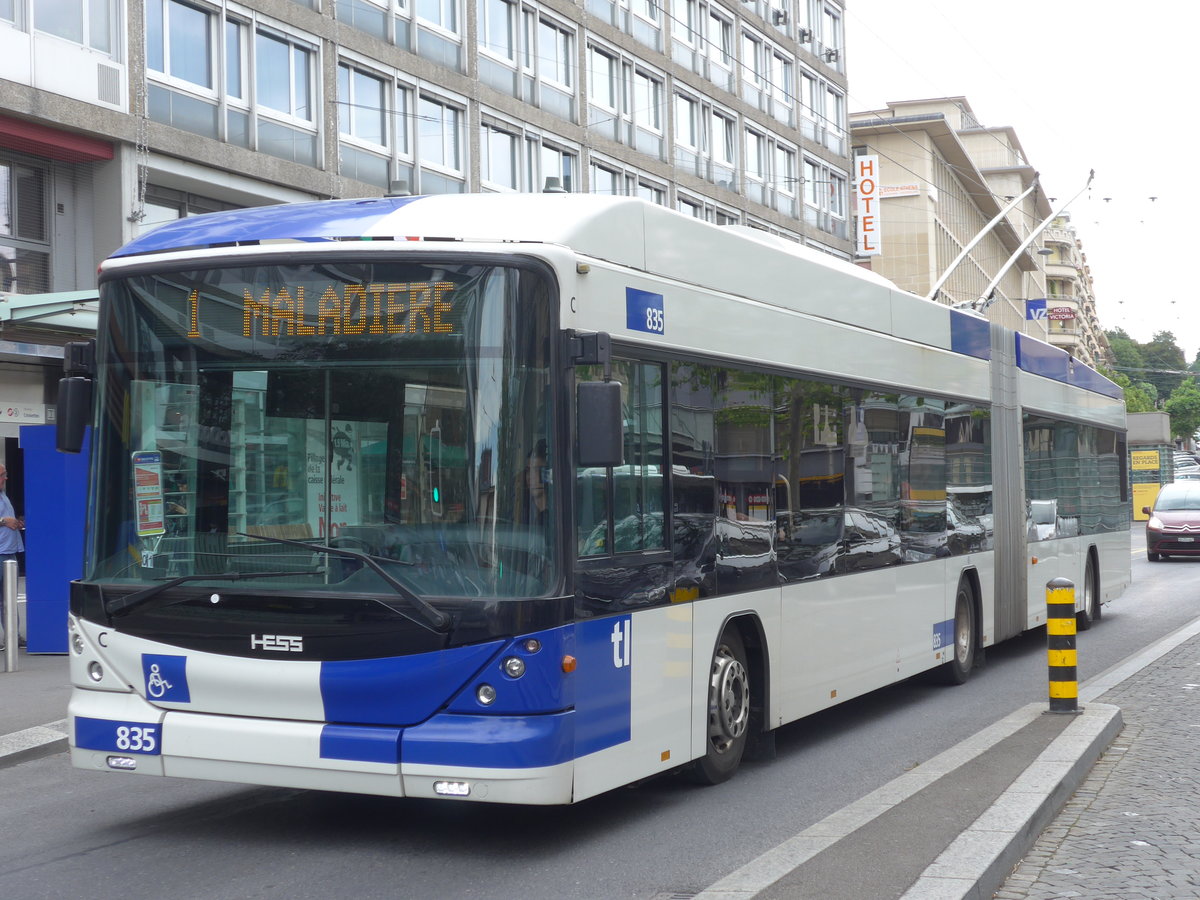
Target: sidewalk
1034	793
1130	830
958	825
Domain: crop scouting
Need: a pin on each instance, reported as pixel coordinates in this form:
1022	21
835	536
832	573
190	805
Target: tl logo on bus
620	644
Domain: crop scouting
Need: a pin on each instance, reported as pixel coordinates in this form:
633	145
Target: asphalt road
66	833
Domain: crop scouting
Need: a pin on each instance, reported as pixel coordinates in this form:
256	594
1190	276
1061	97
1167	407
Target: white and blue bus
520	498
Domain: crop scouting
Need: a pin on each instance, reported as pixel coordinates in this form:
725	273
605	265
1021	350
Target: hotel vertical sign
866	187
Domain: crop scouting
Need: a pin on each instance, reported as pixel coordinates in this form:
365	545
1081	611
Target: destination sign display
336	308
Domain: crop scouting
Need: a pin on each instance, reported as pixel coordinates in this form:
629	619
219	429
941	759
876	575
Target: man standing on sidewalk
11	543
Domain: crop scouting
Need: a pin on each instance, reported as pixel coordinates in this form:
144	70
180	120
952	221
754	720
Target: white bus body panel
662	665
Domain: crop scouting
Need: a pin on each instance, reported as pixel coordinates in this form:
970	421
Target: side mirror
599	424
74	413
1146	510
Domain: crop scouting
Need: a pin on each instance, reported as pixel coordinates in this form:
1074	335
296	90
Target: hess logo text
281	643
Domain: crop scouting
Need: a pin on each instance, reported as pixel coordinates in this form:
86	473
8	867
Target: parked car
1173	528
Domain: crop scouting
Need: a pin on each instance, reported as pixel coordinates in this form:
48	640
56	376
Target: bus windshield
253	420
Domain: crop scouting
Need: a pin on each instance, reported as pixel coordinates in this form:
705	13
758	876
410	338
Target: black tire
1091	597
962	651
728	711
1153	557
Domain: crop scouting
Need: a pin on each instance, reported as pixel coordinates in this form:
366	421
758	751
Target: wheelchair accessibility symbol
156	685
166	678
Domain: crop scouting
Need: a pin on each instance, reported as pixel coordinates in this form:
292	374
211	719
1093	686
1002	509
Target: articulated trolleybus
522	498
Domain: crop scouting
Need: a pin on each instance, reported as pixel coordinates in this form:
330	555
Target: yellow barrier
1060	646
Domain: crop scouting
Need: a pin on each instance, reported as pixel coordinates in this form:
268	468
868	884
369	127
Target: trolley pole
1060	646
12	625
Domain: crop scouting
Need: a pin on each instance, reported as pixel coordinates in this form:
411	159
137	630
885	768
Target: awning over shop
74	311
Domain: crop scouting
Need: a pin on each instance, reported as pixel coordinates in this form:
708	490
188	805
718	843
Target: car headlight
1155	523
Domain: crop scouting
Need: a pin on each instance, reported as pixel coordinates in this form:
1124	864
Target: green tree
1137	399
1127	354
1165	362
1183	407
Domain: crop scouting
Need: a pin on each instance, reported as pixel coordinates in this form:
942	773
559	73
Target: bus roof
625	231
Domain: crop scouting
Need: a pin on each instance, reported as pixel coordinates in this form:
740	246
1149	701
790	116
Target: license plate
1185	540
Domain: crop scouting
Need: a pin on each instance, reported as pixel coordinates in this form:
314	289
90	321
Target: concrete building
943	176
1070	297
130	114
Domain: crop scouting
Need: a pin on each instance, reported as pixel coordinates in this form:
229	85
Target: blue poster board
55	502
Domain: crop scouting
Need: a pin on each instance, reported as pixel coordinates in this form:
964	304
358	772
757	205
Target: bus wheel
728	711
1091	598
962	660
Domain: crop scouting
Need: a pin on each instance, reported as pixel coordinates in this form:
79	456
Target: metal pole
983	232
1060	646
986	298
12	625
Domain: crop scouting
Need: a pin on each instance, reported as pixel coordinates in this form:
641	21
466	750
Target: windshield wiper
431	617
137	598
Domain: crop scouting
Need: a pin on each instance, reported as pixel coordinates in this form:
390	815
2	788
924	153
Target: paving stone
1129	832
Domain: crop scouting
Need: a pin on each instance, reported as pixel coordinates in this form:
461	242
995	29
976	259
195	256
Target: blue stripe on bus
1091	380
380	745
501	742
603	684
1040	358
400	690
317	221
970	335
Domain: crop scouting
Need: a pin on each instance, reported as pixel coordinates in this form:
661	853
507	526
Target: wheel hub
729	701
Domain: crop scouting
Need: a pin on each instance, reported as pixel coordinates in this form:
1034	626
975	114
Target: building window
440	146
626	102
361	110
781	87
164	205
555	54
719	44
603	79
771	173
443	13
255	88
722	153
825	198
24	232
527	56
498	164
86	22
284	76
363	126
606	181
498	28
179	42
556	163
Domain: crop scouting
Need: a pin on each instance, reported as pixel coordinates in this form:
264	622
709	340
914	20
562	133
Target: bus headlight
95	671
77	643
514	667
485	694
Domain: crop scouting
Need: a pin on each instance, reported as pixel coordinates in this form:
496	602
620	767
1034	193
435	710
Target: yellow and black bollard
1060	646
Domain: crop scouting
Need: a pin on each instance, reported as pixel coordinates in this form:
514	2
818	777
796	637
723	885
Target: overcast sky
1085	85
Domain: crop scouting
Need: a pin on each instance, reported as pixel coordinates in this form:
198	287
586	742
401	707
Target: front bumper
121	732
